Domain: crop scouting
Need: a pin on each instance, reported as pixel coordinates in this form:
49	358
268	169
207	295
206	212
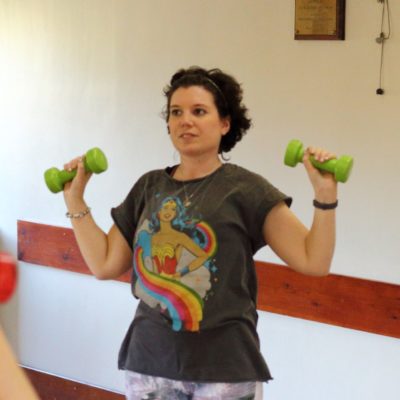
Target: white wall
76	74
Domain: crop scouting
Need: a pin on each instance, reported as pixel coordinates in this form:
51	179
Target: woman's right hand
75	189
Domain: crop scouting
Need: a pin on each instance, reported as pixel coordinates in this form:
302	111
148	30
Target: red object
8	276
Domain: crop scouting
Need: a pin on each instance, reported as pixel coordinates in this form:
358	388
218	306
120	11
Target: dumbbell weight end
294	153
343	169
8	276
55	179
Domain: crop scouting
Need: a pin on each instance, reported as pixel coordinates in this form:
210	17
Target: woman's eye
199	111
175	112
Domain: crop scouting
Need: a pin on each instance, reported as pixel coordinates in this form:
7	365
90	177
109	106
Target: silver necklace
188	197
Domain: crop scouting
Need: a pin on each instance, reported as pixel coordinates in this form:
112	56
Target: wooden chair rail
354	303
51	387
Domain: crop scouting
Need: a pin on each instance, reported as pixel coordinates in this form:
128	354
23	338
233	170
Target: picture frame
320	19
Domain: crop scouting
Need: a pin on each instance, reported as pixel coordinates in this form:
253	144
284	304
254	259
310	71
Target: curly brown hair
228	96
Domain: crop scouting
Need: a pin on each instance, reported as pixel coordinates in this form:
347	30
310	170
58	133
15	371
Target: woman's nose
186	119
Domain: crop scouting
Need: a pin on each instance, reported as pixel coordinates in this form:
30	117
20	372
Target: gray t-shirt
193	270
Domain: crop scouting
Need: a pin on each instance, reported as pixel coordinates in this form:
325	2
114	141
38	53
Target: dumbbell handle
67	176
339	167
328	166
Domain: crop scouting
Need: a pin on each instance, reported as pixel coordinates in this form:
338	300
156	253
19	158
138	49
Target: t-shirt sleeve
126	215
262	197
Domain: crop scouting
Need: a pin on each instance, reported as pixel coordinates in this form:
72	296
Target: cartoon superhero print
173	263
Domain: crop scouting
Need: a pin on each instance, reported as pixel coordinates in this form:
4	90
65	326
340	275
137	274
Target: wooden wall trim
51	387
349	302
354	303
52	246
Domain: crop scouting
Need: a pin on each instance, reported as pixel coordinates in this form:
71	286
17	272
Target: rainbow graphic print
183	303
210	242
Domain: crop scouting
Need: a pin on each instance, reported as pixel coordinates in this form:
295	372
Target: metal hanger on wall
381	39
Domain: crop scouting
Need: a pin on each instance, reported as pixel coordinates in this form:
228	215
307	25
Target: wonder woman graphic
172	260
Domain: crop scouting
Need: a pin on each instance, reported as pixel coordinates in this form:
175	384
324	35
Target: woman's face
168	211
194	123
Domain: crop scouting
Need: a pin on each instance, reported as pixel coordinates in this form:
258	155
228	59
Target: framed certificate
319	19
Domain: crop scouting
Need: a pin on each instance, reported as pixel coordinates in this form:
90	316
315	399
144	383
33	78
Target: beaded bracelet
77	215
325	206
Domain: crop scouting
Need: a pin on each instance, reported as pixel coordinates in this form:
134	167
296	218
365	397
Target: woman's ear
226	125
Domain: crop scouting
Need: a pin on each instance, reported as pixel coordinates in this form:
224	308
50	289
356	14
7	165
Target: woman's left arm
308	251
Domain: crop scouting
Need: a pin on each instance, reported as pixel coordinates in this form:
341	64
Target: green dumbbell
94	161
339	167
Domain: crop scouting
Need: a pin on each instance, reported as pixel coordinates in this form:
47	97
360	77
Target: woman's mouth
187	135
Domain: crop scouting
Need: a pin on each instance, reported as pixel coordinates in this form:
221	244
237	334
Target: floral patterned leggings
145	387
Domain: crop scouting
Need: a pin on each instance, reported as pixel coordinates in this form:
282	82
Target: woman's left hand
324	183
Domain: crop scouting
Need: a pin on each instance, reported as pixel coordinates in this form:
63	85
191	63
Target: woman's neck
165	226
193	169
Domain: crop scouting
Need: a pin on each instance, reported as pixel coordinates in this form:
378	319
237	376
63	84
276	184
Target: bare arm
106	254
13	382
308	251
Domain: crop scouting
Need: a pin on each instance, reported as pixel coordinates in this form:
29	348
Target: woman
183	344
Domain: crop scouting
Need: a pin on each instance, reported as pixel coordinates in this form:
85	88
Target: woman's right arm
107	255
14	384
